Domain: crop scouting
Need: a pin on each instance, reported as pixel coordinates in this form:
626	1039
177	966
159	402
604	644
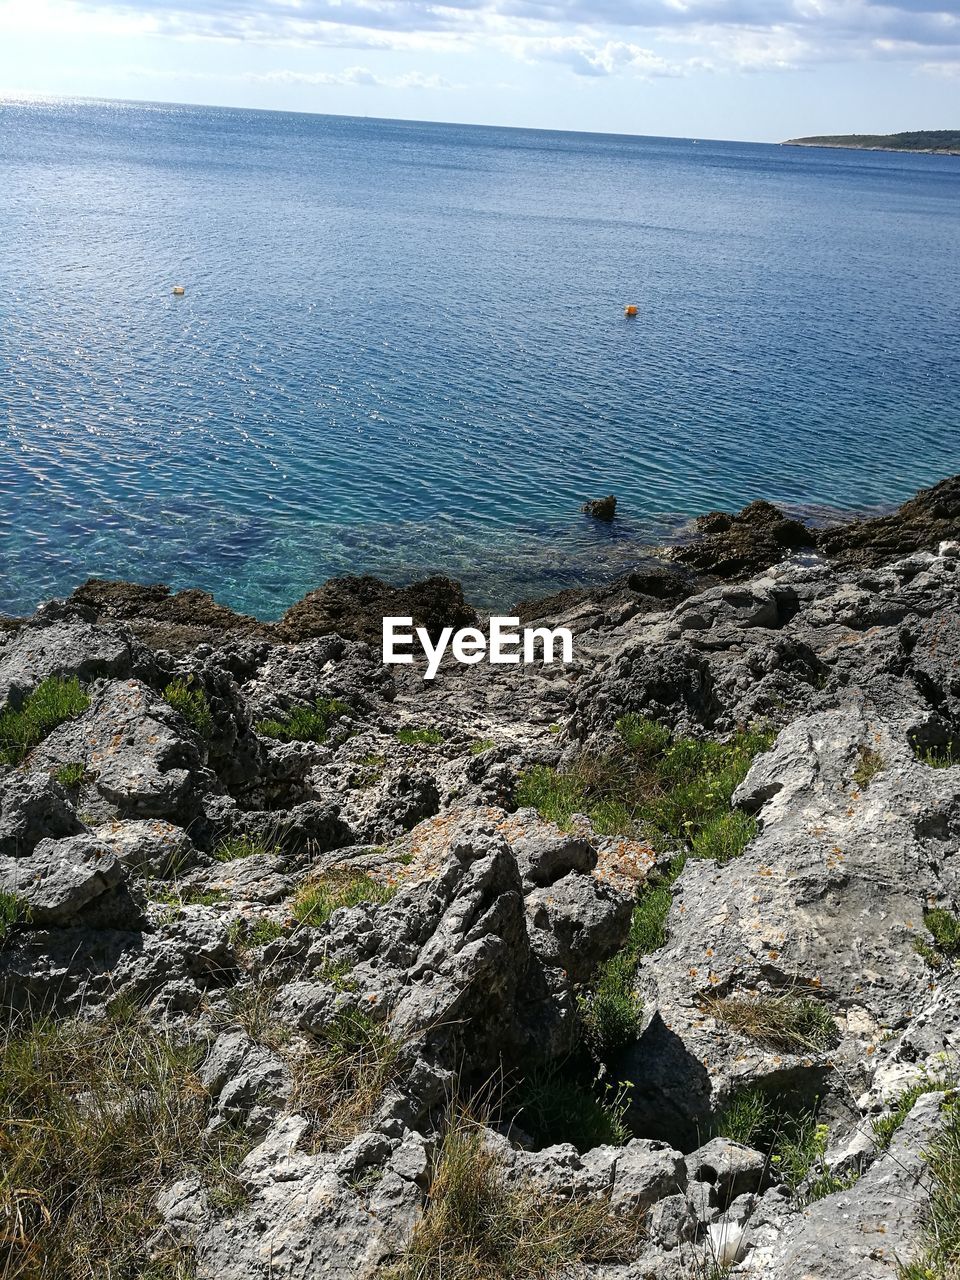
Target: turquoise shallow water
402	346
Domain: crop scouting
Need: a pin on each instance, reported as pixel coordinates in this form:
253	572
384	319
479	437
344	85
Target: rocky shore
641	966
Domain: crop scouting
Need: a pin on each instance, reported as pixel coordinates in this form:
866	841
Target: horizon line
8	96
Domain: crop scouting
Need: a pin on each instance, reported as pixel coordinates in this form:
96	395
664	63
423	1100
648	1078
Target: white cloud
588	37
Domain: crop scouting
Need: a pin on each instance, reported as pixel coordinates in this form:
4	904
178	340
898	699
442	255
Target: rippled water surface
402	346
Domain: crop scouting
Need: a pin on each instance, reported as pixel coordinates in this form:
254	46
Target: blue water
402	346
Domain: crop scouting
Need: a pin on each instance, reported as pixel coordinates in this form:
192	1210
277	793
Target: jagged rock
932	516
825	902
309	1215
327	666
732	546
144	759
601	508
175	621
864	1232
32	807
72	970
61	877
65	649
246	1081
544	853
646	1171
577	922
731	1168
149	847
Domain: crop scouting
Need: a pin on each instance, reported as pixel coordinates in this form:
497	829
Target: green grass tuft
53	702
317	900
13	911
944	927
671	791
885	1126
192	704
482	744
305	724
233	847
419	737
794	1141
340	1079
70	775
940	1259
553	1105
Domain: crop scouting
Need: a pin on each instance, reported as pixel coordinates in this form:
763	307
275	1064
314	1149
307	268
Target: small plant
476	1226
317	900
885	1126
482	744
672	791
258	933
723	838
244	846
369	771
869	764
944	927
799	1161
305	724
191	896
746	1118
941	1230
796	1024
943	756
553	1105
419	737
341	1078
13	911
71	775
794	1141
192	704
52	703
611	1013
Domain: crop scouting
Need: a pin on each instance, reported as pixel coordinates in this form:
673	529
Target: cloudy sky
755	69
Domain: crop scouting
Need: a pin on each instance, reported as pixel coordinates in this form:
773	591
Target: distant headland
931	141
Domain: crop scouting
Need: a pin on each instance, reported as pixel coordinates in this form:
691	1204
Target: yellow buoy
630	311
178	291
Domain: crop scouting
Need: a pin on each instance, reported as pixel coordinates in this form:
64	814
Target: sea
401	347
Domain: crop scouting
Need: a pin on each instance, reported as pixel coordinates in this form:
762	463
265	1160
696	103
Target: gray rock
577	923
32	808
135	747
65	649
731	1168
647	1171
62	877
864	1232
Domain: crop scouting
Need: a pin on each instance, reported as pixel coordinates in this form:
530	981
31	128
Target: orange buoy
630	311
178	291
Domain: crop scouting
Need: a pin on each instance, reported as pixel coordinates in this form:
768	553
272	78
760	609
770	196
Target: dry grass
477	1226
342	1076
95	1118
795	1024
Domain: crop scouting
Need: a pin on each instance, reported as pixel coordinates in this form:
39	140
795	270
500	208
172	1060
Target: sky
760	70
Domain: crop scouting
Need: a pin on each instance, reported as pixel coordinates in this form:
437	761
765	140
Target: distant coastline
924	142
